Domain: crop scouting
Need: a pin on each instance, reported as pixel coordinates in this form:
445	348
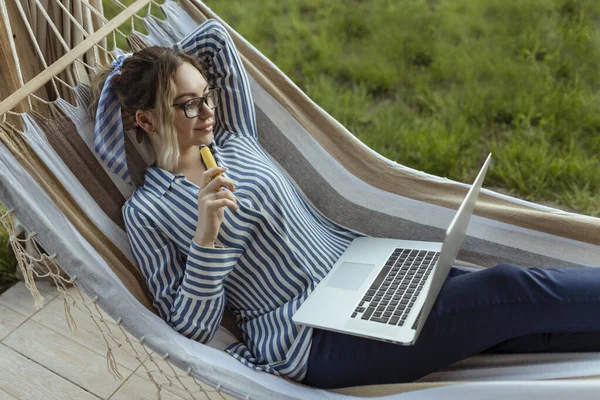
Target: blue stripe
117	154
274	249
306	242
114	104
248	159
260	241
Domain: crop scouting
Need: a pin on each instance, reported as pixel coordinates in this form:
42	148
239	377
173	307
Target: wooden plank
18	298
66	358
68	58
87	333
24	379
137	388
6	396
176	388
9	321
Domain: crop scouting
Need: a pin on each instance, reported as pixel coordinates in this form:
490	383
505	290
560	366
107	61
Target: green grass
8	263
111	9
437	84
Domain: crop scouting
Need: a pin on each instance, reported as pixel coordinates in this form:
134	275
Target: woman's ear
145	121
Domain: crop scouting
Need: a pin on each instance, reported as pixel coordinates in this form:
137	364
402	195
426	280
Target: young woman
261	251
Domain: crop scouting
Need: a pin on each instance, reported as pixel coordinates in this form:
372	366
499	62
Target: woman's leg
550	343
474	312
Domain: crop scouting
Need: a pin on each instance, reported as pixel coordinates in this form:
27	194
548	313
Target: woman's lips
206	128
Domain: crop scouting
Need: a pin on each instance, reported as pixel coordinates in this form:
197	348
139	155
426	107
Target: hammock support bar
62	63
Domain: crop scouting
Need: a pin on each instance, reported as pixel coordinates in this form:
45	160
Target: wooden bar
62	63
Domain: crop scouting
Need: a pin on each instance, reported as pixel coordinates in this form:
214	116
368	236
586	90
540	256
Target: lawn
437	84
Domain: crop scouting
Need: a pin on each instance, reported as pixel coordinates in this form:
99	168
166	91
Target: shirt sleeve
211	44
188	293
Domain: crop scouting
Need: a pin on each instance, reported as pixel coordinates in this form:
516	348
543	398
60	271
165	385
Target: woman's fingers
224	198
228	203
211	174
215	182
225	195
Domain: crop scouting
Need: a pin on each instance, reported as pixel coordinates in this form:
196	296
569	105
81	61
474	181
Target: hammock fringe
39	265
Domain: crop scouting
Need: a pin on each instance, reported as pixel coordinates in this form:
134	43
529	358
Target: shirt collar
158	180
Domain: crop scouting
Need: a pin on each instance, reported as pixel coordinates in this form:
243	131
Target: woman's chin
203	135
204	132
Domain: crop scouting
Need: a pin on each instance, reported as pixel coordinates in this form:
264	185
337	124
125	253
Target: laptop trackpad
350	276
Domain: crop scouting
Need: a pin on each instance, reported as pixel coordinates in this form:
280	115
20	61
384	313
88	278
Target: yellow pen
208	158
209	161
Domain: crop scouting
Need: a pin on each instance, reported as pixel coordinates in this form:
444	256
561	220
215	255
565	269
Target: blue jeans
503	309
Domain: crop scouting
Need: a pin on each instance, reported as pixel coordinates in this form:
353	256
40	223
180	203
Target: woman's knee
505	273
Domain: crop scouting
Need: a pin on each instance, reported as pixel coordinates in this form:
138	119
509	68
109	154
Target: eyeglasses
193	107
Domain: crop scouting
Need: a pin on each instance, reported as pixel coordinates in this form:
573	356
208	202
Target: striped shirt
276	246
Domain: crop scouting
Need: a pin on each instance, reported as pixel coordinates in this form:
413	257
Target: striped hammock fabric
52	178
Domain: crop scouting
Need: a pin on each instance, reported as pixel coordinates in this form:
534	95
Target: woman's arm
188	295
211	44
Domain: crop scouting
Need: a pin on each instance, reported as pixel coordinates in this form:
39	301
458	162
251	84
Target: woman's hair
146	82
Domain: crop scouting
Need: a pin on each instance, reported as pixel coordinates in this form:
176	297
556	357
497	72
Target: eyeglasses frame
204	101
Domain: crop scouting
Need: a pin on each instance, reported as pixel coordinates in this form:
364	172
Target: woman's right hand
211	200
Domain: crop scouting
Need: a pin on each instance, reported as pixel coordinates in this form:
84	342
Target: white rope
40	99
54	28
11	126
157	4
83	62
61	40
114	40
101	16
13	47
35	43
11	113
65	83
119	3
124	6
78	25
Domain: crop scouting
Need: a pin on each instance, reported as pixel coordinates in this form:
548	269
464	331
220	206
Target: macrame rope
52	25
26	261
85	64
64	83
40	99
124	7
103	18
78	25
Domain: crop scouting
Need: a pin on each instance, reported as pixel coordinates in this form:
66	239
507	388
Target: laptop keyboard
392	295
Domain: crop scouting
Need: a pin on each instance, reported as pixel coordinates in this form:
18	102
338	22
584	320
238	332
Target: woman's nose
206	111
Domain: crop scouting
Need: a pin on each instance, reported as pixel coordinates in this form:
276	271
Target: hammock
56	187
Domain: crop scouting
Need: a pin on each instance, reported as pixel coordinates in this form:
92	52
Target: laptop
384	289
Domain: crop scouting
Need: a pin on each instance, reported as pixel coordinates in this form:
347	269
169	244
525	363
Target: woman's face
190	83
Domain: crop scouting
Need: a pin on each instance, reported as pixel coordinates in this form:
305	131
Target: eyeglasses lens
193	108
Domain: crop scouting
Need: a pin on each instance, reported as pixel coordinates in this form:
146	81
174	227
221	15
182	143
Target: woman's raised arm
212	46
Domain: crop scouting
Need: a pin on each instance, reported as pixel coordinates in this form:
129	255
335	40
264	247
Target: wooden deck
41	359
